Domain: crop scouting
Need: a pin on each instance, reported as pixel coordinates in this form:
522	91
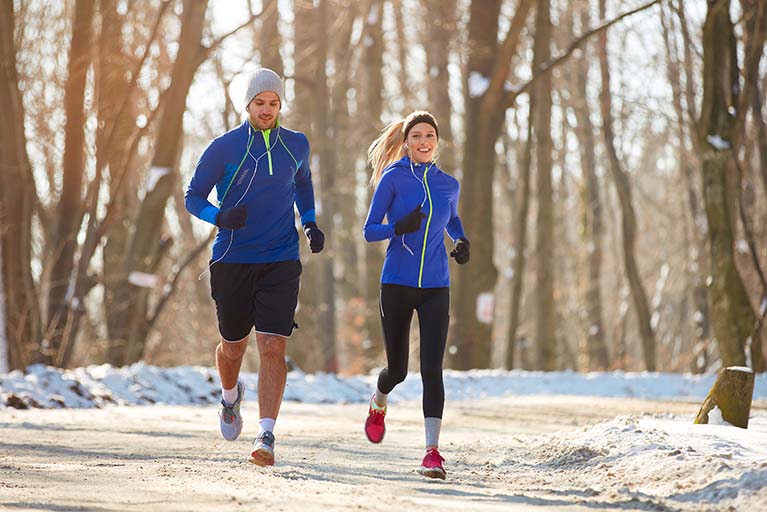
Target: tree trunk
545	320
732	316
270	40
372	101
114	153
519	236
68	212
470	339
596	346
307	352
732	394
146	247
439	30
695	279
327	182
628	217
346	244
20	305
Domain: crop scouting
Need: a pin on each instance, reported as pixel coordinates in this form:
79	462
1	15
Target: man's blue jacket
267	172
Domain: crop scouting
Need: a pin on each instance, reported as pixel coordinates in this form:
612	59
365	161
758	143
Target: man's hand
232	218
461	251
315	236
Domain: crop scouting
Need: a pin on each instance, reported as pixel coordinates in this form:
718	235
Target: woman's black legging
433	307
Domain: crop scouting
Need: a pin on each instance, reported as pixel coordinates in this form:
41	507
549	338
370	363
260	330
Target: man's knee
272	347
233	350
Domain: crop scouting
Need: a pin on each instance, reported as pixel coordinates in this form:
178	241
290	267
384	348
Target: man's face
263	110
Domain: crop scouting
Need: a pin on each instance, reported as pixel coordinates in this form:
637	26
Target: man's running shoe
374	424
432	465
263	449
231	419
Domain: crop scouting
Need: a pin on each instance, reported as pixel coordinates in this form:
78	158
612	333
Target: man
260	170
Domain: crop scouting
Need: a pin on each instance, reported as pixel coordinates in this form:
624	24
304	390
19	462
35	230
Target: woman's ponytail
386	149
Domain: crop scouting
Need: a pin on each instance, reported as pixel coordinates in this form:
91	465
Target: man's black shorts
260	295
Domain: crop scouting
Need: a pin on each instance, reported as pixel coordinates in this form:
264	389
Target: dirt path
172	458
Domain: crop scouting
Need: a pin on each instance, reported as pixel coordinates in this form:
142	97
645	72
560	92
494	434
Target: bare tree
69	207
519	235
21	313
732	316
596	346
545	320
147	247
371	106
486	101
628	216
696	282
270	39
440	27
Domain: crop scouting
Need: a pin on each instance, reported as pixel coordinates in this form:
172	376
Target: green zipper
268	152
426	232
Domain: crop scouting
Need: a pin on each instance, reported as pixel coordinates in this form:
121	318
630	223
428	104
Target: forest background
612	158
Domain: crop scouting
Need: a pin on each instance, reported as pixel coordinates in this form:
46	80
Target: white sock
433	426
266	424
230	395
380	398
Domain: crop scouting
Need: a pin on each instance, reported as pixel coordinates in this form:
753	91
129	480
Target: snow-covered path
503	454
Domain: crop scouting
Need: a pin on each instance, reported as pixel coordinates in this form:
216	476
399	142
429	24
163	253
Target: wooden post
731	393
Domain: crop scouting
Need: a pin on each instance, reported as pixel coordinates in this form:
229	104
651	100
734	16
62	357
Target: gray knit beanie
261	80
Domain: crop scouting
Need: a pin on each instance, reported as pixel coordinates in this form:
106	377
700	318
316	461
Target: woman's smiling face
422	143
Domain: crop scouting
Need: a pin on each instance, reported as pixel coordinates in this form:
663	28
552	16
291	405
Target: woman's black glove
461	251
410	223
315	236
232	218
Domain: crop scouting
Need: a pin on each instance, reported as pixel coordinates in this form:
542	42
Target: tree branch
171	287
511	97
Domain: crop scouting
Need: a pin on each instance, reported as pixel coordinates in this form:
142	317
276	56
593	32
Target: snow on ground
653	459
656	459
141	384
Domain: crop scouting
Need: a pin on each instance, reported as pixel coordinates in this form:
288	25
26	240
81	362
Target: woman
420	202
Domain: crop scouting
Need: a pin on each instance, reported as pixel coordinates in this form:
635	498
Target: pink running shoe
374	424
432	464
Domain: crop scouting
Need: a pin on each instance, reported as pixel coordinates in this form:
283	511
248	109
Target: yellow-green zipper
268	152
426	232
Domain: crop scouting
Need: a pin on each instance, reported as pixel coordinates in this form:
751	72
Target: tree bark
596	346
372	108
732	394
519	236
439	30
346	245
22	325
732	316
326	178
306	352
628	217
270	39
469	340
69	209
146	247
696	286
545	319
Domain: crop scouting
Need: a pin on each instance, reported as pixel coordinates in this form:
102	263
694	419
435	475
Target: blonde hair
388	147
